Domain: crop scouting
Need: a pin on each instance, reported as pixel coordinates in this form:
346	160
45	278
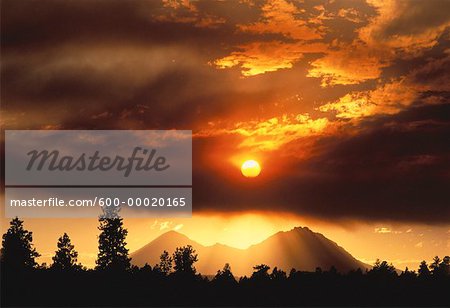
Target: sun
250	168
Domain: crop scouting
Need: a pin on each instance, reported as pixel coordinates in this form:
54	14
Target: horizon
158	227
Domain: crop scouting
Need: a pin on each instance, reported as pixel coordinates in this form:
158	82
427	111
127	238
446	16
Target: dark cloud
68	62
37	25
413	17
397	168
90	64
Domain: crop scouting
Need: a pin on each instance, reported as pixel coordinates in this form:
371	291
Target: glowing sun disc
250	168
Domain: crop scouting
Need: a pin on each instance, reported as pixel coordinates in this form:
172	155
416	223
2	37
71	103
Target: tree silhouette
293	273
445	266
225	276
278	274
333	269
66	256
262	289
146	268
440	267
407	274
112	254
184	259
382	269
165	263
435	265
423	269
260	272
17	247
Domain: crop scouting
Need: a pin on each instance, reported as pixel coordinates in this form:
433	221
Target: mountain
303	249
299	248
211	258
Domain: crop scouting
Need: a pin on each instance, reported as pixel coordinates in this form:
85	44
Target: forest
174	281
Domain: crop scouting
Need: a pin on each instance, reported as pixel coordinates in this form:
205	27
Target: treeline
174	281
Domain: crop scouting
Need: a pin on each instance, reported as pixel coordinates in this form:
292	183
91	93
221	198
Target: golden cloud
280	16
277	17
393	96
261	57
401	29
350	14
387	99
176	4
382	230
348	64
272	133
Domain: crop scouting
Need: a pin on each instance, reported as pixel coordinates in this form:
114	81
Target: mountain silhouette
299	248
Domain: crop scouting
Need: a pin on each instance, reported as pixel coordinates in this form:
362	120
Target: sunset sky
345	105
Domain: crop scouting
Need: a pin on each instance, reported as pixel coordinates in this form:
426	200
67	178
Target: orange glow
251	168
271	133
365	241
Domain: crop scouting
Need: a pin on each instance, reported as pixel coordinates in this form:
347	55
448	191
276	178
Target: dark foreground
144	287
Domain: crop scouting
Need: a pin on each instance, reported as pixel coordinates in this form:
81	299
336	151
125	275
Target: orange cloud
272	133
350	14
394	96
348	64
261	57
401	29
383	230
408	26
176	4
387	99
280	16
277	17
275	132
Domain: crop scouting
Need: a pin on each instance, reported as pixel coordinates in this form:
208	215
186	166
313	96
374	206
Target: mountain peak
299	248
172	233
173	236
167	241
299	228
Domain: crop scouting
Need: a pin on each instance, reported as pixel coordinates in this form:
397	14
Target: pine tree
278	274
17	247
260	272
423	269
445	266
66	256
225	276
407	274
165	263
112	254
382	269
184	259
435	266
